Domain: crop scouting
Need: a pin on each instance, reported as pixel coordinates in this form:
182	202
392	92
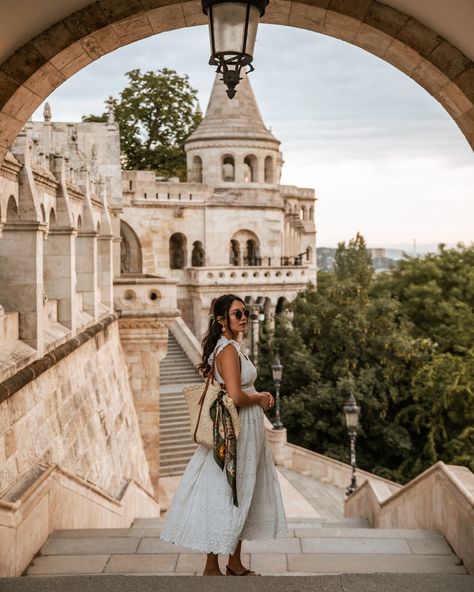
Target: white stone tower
232	144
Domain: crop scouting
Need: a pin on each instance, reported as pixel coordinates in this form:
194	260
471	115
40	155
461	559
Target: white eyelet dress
202	515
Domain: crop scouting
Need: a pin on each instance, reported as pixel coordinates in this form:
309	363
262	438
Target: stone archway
29	75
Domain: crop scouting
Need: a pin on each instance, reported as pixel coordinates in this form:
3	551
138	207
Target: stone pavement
320	542
334	583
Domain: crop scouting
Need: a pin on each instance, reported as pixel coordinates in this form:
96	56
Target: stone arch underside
130	250
29	75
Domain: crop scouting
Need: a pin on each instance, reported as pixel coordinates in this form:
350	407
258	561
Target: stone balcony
250	275
145	294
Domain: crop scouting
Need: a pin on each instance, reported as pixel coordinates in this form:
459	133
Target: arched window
12	209
52	219
250	169
234	258
198	255
309	254
130	250
252	252
311	214
269	169
281	303
251	255
303	213
196	173
177	251
79	223
228	169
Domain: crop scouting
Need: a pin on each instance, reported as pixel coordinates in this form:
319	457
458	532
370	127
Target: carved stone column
145	340
21	277
60	273
86	271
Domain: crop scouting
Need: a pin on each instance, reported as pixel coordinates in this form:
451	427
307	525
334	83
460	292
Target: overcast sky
384	157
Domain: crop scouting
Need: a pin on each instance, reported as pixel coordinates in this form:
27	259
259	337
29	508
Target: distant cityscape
382	258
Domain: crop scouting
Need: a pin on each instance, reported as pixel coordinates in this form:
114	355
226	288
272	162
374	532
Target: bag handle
201	400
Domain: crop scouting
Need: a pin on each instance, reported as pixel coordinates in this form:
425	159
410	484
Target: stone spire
47	112
236	119
110	110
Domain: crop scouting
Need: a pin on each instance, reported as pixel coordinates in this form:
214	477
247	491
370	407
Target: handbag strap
203	396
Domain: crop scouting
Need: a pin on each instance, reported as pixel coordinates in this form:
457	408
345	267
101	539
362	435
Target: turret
232	145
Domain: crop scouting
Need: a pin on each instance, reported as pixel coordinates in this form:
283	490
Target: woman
204	514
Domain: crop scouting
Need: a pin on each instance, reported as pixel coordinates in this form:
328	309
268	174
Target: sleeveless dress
202	515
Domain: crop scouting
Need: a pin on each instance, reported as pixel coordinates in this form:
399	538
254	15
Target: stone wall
80	415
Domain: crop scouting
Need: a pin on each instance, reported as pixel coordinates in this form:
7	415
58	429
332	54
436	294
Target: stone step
177	372
177	414
182	380
174	360
181	424
175	453
184	580
175	399
139	550
171	442
170	437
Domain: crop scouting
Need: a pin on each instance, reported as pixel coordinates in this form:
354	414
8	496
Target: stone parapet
147	294
442	497
249	275
73	407
50	498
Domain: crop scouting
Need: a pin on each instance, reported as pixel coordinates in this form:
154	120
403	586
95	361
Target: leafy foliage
377	337
156	112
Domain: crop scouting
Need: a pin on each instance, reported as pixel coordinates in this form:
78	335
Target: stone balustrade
442	497
291	274
49	497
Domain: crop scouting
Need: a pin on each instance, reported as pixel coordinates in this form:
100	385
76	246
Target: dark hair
220	308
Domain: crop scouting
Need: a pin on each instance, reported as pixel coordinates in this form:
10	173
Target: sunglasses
240	313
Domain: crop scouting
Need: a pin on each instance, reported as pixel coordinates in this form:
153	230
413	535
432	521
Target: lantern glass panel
229	27
277	371
352	418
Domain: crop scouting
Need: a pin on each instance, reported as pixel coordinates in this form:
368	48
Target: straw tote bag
199	398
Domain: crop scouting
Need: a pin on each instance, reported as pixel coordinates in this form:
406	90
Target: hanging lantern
232	33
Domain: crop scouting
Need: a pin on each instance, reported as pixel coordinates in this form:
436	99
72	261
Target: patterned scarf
225	443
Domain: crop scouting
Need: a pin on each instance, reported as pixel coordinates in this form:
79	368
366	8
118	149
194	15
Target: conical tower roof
236	119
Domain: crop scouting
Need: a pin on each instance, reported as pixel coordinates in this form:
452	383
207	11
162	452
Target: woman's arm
228	365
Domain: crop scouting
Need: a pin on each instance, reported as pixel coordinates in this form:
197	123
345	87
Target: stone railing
187	340
318	466
145	294
442	497
249	275
49	498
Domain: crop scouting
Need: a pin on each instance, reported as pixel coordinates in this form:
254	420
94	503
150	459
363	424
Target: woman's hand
266	401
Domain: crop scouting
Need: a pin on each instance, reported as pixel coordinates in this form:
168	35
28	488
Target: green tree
341	340
156	112
436	293
354	262
401	342
441	414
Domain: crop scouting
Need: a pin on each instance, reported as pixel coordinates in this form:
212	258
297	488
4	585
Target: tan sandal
247	572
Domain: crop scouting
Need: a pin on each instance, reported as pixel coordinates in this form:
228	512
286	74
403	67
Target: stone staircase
176	444
312	547
321	544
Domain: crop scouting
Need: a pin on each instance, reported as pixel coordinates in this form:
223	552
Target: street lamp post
352	411
277	371
232	33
